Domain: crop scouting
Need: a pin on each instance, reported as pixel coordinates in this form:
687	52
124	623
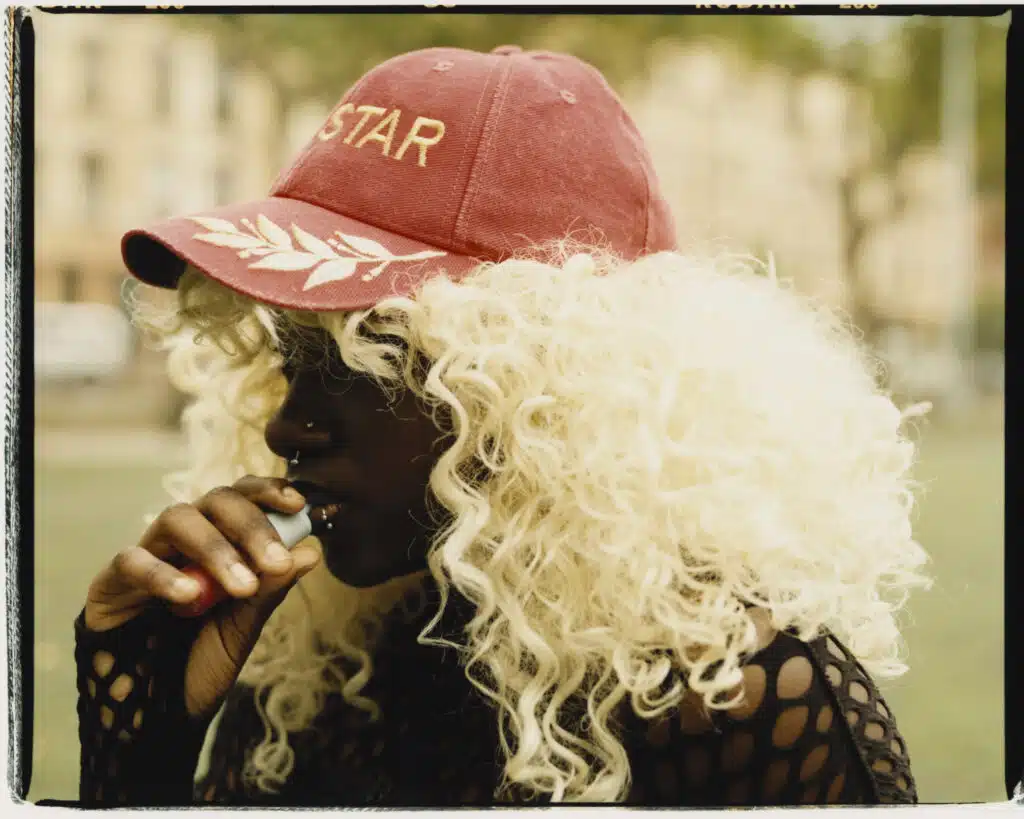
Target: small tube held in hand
290	528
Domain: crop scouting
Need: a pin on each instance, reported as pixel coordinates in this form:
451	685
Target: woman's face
345	444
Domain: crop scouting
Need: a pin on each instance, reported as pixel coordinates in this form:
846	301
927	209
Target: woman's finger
140	569
272	493
247	527
189	532
248	616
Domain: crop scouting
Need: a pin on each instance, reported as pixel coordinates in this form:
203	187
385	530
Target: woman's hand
228	535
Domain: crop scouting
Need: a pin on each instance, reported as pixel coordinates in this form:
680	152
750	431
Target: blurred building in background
136	119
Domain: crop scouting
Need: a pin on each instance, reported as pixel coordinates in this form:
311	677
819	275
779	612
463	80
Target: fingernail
185	587
243	575
292	494
277	554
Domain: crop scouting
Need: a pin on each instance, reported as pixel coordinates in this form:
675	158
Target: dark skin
373	459
374	455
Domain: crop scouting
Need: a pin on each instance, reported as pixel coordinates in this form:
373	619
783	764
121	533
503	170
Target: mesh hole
836	788
882	766
859	692
834	675
102	663
789	726
875	731
795	678
106	717
824	721
121	687
814	762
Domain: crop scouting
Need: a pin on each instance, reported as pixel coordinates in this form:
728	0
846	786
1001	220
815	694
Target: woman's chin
362	575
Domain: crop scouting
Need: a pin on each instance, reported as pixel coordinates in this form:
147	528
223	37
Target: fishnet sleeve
813	730
139	745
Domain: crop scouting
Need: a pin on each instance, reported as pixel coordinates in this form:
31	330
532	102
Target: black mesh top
813	729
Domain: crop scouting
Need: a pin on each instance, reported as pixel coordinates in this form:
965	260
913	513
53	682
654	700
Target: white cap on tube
292	528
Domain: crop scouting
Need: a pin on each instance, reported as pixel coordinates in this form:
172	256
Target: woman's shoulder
811	728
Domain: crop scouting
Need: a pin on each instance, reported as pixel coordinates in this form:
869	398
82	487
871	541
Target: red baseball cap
434	161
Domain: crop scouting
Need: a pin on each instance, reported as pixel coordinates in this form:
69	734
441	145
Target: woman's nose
291	431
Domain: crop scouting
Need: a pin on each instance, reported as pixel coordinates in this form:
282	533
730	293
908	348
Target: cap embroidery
331	260
423	133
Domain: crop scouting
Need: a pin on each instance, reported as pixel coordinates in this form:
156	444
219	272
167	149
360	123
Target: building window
224	90
70	283
92	69
93	177
162	91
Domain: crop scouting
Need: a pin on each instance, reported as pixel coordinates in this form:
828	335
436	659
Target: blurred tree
320	55
906	104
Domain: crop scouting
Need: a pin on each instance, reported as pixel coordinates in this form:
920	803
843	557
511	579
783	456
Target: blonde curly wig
640	451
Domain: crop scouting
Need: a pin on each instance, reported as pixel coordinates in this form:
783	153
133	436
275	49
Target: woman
598	522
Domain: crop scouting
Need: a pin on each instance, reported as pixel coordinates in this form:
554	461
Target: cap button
508	49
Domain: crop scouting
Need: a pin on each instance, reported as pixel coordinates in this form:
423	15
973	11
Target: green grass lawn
950	705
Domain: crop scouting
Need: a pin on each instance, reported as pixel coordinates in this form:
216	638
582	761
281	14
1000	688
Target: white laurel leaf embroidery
214	224
308	241
373	274
423	254
275	235
367	247
331	261
331	272
285	261
237	241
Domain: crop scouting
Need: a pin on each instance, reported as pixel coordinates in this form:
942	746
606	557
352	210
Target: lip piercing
309	424
295	461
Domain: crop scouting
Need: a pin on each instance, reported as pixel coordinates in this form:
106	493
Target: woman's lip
316	495
322	516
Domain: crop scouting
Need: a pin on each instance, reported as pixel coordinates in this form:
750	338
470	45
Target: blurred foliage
319	55
906	96
990	322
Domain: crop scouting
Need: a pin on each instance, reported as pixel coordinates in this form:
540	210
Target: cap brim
288	253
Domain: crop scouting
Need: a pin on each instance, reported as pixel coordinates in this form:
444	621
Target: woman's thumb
274	588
